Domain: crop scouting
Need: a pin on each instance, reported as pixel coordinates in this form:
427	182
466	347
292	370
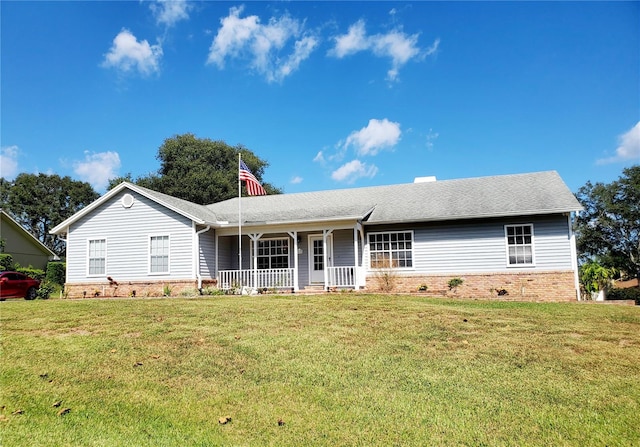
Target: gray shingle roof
505	195
482	197
188	208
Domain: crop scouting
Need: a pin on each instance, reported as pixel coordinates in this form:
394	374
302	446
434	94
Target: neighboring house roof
27	235
482	197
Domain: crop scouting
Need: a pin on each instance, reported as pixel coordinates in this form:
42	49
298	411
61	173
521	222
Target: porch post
325	234
294	236
254	259
355	257
324	259
364	270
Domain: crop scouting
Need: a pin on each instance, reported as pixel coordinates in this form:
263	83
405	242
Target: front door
316	257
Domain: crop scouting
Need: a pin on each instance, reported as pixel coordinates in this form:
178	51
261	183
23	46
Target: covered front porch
317	259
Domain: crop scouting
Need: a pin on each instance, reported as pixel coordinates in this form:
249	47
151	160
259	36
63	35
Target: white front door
316	257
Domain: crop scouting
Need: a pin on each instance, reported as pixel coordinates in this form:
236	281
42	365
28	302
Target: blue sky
330	94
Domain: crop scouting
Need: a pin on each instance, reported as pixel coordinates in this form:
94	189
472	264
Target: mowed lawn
333	370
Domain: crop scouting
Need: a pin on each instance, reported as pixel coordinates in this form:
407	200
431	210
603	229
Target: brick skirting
140	289
516	286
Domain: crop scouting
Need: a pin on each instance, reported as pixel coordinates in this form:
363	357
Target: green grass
337	370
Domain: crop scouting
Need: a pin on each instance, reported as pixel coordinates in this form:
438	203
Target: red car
17	285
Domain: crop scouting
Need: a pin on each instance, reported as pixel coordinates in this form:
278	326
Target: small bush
45	290
632	293
56	272
454	283
6	262
34	273
211	291
386	274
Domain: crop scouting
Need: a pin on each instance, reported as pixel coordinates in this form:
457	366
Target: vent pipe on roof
431	178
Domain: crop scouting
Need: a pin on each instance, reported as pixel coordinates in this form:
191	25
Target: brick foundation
516	286
140	289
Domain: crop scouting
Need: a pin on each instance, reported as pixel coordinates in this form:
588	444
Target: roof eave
475	216
355	218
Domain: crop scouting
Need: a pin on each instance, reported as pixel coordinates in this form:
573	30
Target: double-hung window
273	253
97	254
391	249
159	254
519	245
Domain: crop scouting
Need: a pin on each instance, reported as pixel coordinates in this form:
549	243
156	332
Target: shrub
56	272
632	293
34	273
595	277
454	283
6	261
385	274
45	290
211	291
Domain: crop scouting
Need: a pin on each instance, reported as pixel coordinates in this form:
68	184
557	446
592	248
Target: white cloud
128	54
169	12
296	180
319	158
9	162
354	170
378	135
354	41
431	137
396	45
98	168
628	147
302	51
266	46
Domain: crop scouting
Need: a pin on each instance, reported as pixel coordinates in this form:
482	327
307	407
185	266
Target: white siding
476	247
208	254
343	248
127	231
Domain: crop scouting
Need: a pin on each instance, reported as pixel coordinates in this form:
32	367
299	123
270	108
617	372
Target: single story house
24	247
507	236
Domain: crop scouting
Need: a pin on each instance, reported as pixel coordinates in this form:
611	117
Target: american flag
254	188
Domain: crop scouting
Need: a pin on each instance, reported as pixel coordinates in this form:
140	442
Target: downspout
197	254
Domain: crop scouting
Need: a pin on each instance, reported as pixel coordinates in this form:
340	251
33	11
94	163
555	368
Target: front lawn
331	370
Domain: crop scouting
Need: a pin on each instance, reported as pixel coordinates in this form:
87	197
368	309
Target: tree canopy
608	230
200	170
40	201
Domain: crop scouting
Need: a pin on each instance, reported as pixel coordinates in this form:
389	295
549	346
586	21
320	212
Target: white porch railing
342	276
269	278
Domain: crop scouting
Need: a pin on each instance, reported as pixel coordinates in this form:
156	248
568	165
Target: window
97	257
273	253
391	249
159	254
519	244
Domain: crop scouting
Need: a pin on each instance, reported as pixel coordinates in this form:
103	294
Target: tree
39	202
608	230
202	171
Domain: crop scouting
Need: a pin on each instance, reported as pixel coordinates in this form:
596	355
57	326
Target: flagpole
239	221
